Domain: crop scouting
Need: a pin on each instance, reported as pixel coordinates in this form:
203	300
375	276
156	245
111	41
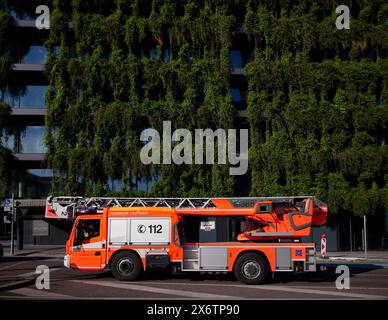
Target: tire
126	266
251	268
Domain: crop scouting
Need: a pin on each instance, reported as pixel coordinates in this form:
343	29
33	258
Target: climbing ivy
317	103
316	96
5	110
105	87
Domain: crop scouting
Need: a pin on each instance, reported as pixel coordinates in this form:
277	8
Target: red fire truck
251	237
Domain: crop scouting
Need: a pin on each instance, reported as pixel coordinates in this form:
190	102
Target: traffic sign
323	244
7	202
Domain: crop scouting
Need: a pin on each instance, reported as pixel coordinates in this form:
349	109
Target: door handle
97	253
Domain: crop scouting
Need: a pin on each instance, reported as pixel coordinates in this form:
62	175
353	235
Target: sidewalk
373	257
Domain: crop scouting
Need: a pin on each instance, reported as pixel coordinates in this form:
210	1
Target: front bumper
66	261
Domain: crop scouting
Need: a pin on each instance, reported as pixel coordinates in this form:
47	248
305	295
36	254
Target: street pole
365	239
20	224
12	218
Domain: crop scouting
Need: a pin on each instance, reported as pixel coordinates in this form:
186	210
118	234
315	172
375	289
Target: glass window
86	230
142	54
143	185
57	51
21	15
41	173
36	55
154	54
166	55
236	59
236	95
37	183
31	140
12	101
8	140
115	185
235	227
33	97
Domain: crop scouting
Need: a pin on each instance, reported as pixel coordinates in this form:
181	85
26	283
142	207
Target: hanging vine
5	109
317	103
123	67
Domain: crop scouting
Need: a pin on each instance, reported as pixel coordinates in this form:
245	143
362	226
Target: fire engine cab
251	237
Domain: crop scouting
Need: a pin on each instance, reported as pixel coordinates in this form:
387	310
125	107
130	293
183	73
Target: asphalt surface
18	281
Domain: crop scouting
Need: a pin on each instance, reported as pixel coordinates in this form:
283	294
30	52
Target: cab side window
87	229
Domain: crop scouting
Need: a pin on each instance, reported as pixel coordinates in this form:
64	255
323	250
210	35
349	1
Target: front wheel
126	266
251	268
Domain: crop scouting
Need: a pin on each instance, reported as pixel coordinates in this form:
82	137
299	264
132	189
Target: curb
354	264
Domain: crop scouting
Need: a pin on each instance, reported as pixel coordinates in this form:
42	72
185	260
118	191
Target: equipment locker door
88	250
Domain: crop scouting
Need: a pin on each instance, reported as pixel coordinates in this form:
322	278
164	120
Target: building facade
32	93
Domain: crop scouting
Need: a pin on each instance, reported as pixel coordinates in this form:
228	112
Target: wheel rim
251	269
125	266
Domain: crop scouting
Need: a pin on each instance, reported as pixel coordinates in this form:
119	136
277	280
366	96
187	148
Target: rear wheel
126	266
251	268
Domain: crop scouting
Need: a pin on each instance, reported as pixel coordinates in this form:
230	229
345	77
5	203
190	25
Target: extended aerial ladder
278	216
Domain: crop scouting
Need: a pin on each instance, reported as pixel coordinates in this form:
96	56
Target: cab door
88	249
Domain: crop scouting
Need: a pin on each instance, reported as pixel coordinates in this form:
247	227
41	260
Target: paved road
17	281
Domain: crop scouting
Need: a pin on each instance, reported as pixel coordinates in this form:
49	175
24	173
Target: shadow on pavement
17	258
328	275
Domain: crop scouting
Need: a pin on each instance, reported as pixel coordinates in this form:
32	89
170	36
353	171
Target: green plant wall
5	69
316	96
317	102
105	88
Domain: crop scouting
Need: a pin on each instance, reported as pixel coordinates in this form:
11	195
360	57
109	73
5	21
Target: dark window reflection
154	54
32	97
36	55
236	95
236	59
166	55
37	183
9	99
22	15
8	140
31	140
57	51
